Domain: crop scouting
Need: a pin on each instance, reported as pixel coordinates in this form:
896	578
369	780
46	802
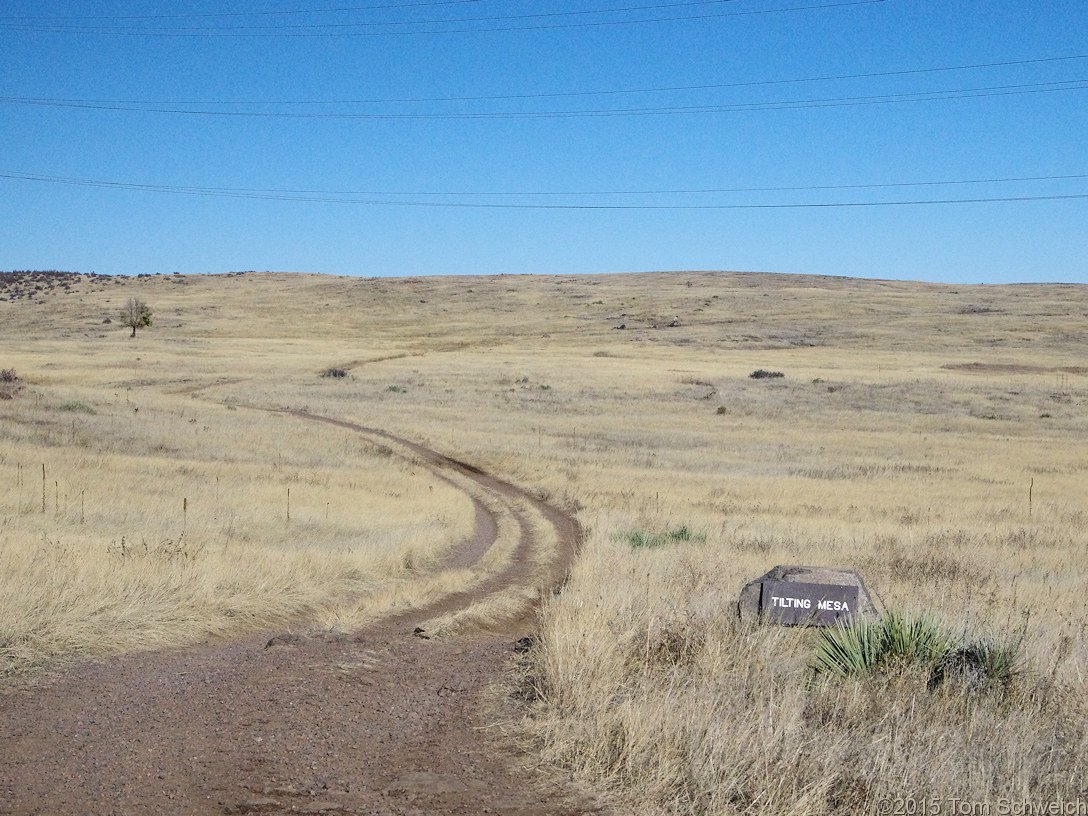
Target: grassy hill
929	436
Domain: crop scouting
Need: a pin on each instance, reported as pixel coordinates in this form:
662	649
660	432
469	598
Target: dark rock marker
793	595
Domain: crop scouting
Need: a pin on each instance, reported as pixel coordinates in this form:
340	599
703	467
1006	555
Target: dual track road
377	722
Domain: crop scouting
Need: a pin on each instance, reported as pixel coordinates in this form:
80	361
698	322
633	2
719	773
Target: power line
741	107
235	14
505	23
355	198
60	101
348	25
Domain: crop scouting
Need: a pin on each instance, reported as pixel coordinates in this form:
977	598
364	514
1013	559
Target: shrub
978	666
762	374
848	651
897	641
334	372
914	641
8	375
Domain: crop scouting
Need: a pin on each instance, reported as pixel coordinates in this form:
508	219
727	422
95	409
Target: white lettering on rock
791	603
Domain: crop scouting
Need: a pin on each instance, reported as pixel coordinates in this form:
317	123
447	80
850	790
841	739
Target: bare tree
136	314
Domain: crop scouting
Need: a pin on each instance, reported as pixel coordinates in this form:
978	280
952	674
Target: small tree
136	314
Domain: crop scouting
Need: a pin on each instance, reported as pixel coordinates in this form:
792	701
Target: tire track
524	564
377	723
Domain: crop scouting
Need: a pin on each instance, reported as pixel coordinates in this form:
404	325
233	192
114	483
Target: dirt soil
380	721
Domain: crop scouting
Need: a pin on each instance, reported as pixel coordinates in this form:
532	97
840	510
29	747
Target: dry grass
930	437
166	516
652	685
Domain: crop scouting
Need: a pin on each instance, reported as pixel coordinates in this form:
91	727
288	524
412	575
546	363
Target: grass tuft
640	539
76	407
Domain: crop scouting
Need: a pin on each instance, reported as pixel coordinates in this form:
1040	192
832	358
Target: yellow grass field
931	437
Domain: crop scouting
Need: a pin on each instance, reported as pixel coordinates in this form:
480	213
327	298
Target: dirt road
377	722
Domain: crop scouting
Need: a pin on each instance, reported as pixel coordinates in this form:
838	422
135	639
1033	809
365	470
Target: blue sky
547	136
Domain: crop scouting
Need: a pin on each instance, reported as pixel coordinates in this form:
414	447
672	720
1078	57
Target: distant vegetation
136	315
8	383
30	283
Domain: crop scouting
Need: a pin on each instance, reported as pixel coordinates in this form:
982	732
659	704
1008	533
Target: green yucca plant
863	646
848	650
918	640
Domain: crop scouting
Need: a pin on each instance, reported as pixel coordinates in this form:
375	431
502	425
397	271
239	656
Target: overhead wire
465	25
566	94
195	15
221	108
740	107
374	24
409	198
371	198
